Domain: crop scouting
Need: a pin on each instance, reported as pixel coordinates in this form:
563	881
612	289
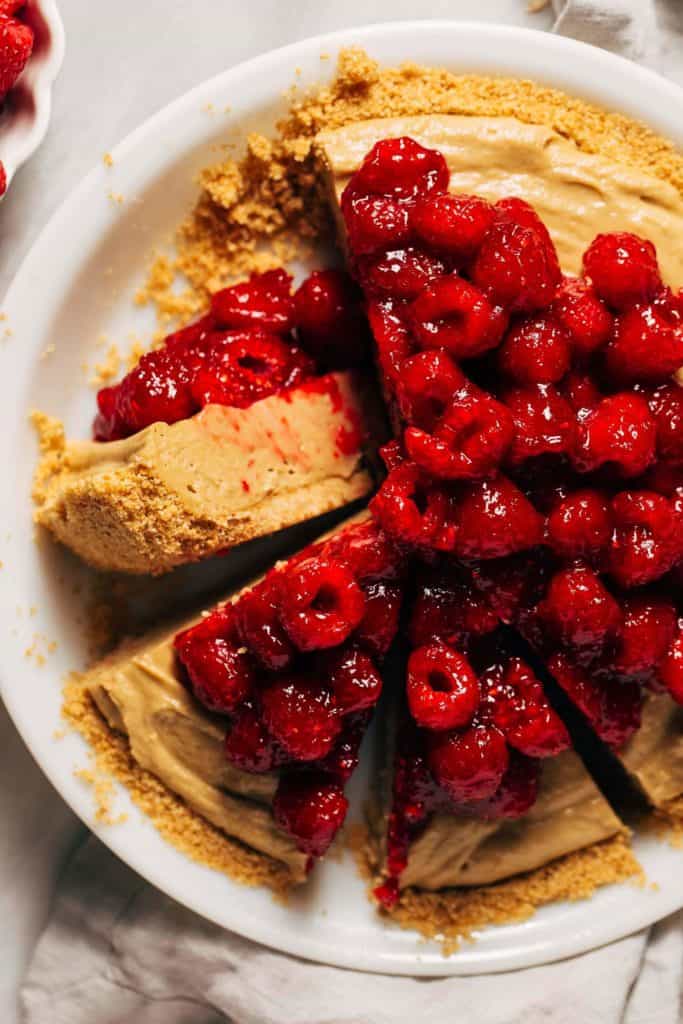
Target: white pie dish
24	124
104	246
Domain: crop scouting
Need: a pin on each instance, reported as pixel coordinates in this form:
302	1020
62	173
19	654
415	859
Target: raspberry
400	273
366	551
442	689
646	633
257	616
399	169
516	794
302	717
244	367
470	440
454	315
330	323
666	405
671	666
263	301
584	317
413	512
354	680
16	44
248	744
320	603
623	269
310	807
495	519
514	701
468	765
221	674
618	432
379	625
454	225
544	423
582	688
647	538
392	339
195	337
447	607
620	718
535	351
343	759
647	344
580	390
579	610
517	264
374	223
580	526
426	385
513	583
3	179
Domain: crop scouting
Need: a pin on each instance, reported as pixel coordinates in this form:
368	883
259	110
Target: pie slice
253	715
539	438
233	429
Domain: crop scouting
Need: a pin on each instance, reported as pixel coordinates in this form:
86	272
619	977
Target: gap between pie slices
479	850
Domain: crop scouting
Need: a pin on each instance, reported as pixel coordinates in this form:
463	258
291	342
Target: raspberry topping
468	765
580	526
330	323
619	432
584	317
354	680
544	423
427	385
442	688
321	604
265	301
623	269
671	666
579	609
452	314
515	702
301	716
495	519
413	512
647	538
220	673
647	343
535	351
400	273
311	808
16	45
454	225
248	744
646	633
242	368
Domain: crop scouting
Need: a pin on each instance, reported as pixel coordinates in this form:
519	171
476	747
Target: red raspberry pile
540	441
293	665
16	45
258	339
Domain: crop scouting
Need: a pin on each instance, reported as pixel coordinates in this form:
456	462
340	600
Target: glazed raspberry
426	386
301	716
454	225
646	633
400	169
248	745
243	367
578	609
584	317
257	617
379	624
666	405
513	583
470	440
544	423
621	712
535	351
195	337
623	269
468	765
517	264
343	759
16	44
392	338
413	512
374	223
442	688
495	519
366	551
671	666
220	673
454	315
354	680
447	607
647	344
582	688
618	432
3	179
330	323
580	526
264	301
311	807
517	791
514	700
400	273
157	390
320	603
581	391
647	538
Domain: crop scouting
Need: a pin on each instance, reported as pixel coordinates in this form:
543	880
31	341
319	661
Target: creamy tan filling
654	755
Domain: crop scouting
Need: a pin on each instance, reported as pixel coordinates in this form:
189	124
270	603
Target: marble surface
124	61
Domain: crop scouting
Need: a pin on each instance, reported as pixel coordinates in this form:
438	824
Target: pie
520	565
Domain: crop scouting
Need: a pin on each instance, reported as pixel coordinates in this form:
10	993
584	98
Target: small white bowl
23	124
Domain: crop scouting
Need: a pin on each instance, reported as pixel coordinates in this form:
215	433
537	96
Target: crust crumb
108	160
108	368
175	821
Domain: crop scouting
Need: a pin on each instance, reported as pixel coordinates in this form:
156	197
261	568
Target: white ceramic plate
84	269
24	123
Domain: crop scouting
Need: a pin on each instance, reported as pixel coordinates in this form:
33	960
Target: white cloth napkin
117	950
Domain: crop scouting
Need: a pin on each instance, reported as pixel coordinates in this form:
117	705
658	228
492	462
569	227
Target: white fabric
116	950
